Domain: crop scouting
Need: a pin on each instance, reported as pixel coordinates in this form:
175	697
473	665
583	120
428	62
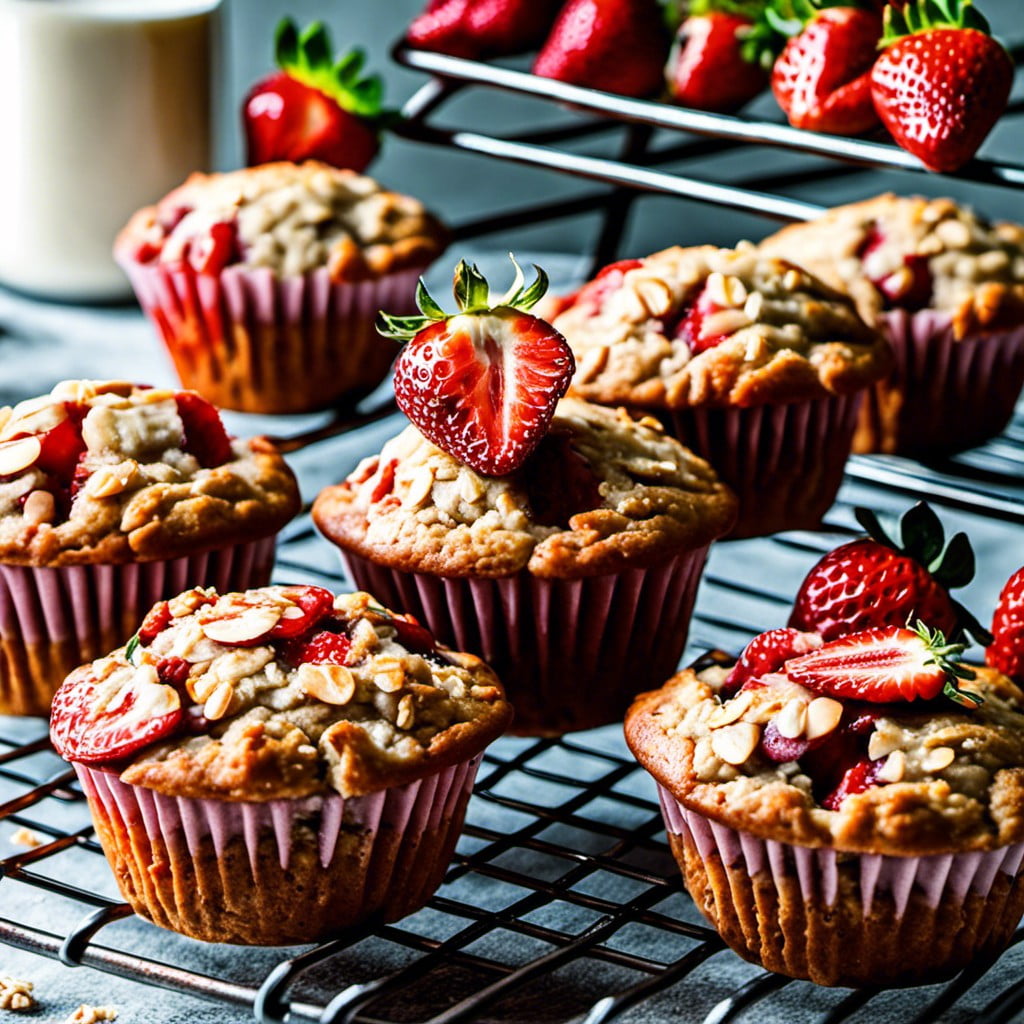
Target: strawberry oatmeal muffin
946	287
844	811
574	575
264	282
271	767
751	361
113	495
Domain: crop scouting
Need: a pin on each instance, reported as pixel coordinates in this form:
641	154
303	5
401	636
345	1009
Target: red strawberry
708	67
217	249
915	295
692	327
608	280
876	581
412	635
1006	652
822	77
313	109
205	436
941	82
767	653
173	671
857	779
482	28
482	383
157	619
323	648
314	604
616	45
89	725
882	666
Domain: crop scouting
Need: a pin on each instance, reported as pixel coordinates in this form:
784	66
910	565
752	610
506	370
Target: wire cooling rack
562	902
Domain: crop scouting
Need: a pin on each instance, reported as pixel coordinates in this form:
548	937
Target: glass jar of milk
106	107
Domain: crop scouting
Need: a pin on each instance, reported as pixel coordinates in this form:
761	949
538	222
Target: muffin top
715	327
601	492
784	762
109	471
913	253
277	693
287	218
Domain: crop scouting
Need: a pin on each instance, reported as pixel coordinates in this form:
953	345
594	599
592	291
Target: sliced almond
591	364
239	629
406	717
506	505
201	687
655	294
421	486
731	711
40	507
735	743
18	455
954	233
725	321
332	684
218	704
108	481
823	714
894	768
753	306
471	488
938	758
791	721
792	279
5	415
388	675
881	745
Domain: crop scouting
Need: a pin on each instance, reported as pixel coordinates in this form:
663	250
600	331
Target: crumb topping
289	218
287	692
112	471
914	253
939	778
707	326
601	491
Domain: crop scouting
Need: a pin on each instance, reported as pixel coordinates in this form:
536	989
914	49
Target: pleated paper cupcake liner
943	395
55	619
249	340
571	654
283	871
846	918
785	462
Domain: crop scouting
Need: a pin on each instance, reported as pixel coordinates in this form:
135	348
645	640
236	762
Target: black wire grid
562	902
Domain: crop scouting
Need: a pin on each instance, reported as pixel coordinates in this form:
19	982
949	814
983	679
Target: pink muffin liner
943	395
571	654
785	462
249	340
54	619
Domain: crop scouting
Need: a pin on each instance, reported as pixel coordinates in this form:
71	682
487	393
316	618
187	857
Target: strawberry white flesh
880	665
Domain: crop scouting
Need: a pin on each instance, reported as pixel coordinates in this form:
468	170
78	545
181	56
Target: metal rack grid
561	885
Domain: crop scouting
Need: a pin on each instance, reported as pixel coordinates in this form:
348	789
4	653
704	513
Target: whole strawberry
314	108
941	82
877	581
482	383
710	68
1006	652
822	77
615	45
482	28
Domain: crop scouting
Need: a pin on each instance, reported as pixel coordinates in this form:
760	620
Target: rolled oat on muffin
574	576
113	495
294	762
946	287
264	282
751	361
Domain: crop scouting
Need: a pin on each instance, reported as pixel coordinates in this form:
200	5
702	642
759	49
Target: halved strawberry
767	653
884	665
314	604
205	436
1006	651
323	648
314	108
90	725
482	384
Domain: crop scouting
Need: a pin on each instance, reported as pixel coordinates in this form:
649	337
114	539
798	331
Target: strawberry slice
210	253
767	653
204	435
314	604
692	327
323	648
481	384
883	665
857	779
88	724
315	107
914	292
157	619
609	279
173	671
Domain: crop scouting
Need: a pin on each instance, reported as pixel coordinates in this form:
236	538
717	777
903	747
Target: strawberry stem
924	15
946	656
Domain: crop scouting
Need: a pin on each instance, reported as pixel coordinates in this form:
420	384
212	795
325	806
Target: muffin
752	362
274	766
835	816
113	495
264	282
573	576
946	287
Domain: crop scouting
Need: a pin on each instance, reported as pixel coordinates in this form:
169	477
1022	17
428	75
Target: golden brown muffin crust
603	492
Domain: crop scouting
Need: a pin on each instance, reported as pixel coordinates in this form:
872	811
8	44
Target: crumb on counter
26	837
92	1014
15	994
